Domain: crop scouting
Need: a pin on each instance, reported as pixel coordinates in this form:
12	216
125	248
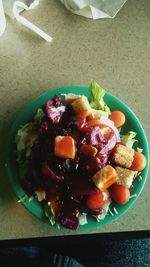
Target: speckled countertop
115	52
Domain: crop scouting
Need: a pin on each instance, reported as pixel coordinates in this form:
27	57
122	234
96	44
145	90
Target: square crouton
123	156
126	176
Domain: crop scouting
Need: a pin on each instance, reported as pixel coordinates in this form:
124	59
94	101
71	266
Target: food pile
75	158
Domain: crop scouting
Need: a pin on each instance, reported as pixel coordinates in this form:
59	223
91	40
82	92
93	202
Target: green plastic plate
27	114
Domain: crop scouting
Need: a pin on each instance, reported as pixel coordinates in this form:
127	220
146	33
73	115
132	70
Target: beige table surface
115	52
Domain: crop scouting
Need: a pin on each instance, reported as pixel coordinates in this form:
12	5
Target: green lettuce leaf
50	214
105	210
38	116
83	218
71	96
97	94
24	140
25	198
129	139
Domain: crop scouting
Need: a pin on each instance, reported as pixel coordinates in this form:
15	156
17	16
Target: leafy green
25	198
105	210
71	96
49	213
83	218
128	139
139	149
38	116
97	94
24	140
21	156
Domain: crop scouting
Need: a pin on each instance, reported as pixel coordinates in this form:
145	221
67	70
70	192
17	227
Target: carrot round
139	162
65	147
117	117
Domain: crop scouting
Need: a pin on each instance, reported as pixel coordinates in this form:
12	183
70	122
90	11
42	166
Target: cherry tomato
97	200
117	117
139	162
119	193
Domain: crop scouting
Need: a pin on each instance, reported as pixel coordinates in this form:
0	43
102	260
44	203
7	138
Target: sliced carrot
65	147
55	205
117	117
139	162
105	177
88	150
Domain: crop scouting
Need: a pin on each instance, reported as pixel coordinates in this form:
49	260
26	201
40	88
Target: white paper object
13	9
95	9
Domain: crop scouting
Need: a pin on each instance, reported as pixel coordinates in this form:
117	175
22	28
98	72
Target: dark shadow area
6	192
98	250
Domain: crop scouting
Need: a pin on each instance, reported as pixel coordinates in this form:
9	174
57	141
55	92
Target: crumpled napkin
94	9
13	9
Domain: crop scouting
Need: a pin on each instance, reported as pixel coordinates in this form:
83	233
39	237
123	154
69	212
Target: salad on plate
74	160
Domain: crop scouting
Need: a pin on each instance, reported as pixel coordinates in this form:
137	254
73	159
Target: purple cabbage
69	220
96	163
109	145
94	136
68	215
44	123
47	172
54	109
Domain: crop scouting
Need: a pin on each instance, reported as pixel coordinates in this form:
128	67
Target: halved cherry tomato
117	117
139	162
97	200
119	193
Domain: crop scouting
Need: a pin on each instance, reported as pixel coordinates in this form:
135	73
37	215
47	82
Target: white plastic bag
94	9
13	8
